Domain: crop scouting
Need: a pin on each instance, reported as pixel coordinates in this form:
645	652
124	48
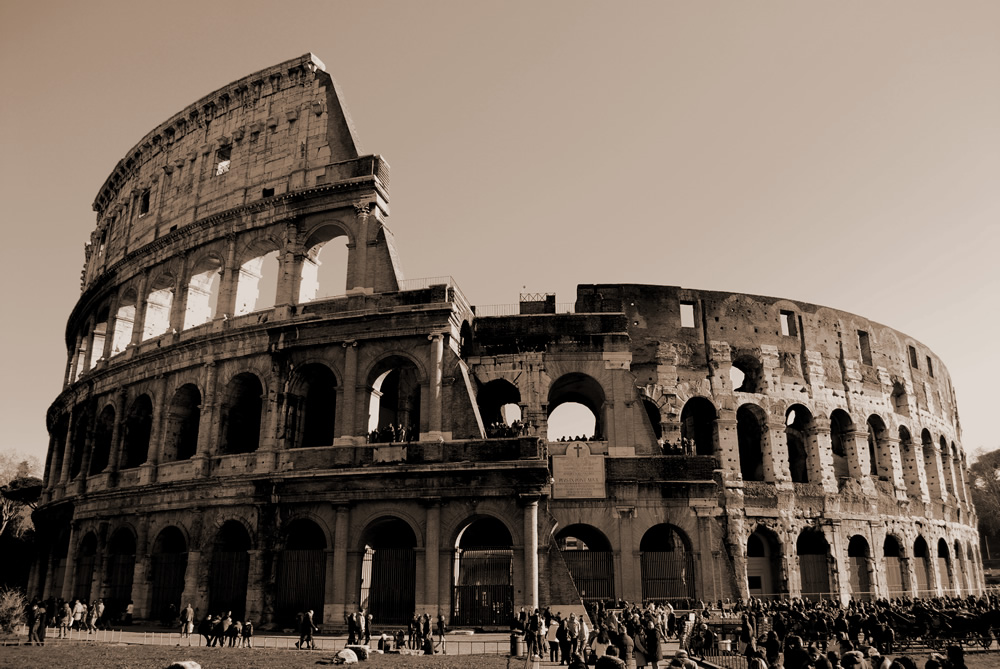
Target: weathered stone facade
211	441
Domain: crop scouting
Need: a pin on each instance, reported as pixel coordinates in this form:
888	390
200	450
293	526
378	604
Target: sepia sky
845	154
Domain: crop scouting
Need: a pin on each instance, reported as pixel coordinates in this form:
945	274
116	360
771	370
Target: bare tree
19	489
984	474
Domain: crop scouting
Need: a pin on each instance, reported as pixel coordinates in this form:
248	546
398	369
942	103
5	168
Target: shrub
12	605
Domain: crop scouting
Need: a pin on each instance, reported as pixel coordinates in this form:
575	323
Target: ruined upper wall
280	129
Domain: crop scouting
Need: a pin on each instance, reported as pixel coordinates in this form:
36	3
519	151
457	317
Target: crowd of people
220	630
64	616
392	434
684	446
501	430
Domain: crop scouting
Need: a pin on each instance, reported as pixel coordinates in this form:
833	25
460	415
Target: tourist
248	634
552	637
187	623
441	628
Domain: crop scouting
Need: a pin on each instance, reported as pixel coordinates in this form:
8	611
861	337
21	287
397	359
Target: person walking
441	628
187	623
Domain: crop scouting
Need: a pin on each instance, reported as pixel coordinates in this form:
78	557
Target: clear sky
845	154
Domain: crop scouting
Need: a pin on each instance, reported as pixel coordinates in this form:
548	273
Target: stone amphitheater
260	414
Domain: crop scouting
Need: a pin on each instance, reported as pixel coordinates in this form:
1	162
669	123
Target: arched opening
894	572
169	562
241	414
698	425
394	404
159	300
878	455
931	465
312	407
138	424
257	286
483	593
900	404
858	554
944	567
103	432
960	571
121	569
922	566
750	431
230	569
588	555
667	564
124	321
841	429
57	443
653	417
81	428
763	556
798	420
98	335
909	462
203	292
948	466
746	374
86	559
499	406
575	408
180	438
814	551
388	571
324	267
83	341
300	575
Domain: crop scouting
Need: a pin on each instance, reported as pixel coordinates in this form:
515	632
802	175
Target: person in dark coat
41	624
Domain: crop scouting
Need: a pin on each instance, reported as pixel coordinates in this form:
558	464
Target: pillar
67	450
289	269
531	552
435	369
340	540
330	617
68	580
226	304
350	392
891	463
840	581
141	573
708	556
207	421
819	446
909	575
114	460
179	305
255	585
138	325
727	444
432	559
109	330
360	250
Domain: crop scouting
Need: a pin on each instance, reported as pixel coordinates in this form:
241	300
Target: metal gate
168	582
228	583
946	582
59	577
388	583
860	581
894	576
119	592
84	577
923	577
300	584
484	587
815	577
593	573
667	575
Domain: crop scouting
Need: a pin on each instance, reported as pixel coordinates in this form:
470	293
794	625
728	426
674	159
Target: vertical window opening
866	347
687	314
913	357
223	159
930	366
788	324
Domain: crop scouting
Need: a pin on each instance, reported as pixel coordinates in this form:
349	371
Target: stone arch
751	432
180	438
128	298
900	403
230	569
82	417
653	417
311	406
322	248
121	552
103	432
257	282
841	428
300	571
947	466
590	559
667	562
895	573
483	590
387	580
922	567
499	403
747	373
698	425
242	413
203	287
930	463
763	549
945	567
859	560
960	569
98	334
813	551
159	302
394	385
798	423
168	561
137	429
577	388
880	459
86	561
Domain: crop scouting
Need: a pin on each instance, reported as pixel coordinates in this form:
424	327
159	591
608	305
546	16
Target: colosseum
260	414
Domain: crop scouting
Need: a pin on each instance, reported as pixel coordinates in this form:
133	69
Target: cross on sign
578	448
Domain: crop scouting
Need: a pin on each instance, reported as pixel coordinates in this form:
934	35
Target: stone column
840	580
114	461
50	574
531	552
68	580
360	250
434	367
913	467
147	472
52	480
891	464
255	585
727	444
289	269
340	543
207	421
88	445
109	330
330	618
67	450
627	568
226	304
178	306
140	311
909	575
349	409
432	560
141	573
858	458
819	447
74	363
97	589
708	557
